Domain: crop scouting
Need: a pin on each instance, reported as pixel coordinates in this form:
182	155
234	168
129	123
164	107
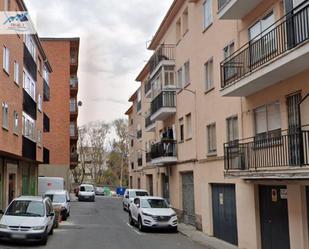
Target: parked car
86	192
28	218
152	212
60	200
49	183
99	191
129	196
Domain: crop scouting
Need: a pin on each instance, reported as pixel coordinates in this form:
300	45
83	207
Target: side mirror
51	215
127	197
68	200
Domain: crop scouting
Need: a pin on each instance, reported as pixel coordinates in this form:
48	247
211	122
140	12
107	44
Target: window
132	167
7	5
15	125
187	73
185	22
211	138
267	121
230	70
29	84
28	127
207	13
72	105
209	81
178	30
40	103
30	45
40	65
189	126
169	80
39	138
180	78
181	130
6	59
232	128
131	121
16	72
72	129
46	75
5	115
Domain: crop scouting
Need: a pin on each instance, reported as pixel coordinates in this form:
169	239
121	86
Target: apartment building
61	137
225	107
23	88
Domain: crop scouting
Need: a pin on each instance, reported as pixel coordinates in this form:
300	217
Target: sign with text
16	22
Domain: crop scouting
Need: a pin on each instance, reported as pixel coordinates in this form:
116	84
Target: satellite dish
80	103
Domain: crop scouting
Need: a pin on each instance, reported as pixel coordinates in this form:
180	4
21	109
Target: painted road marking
137	232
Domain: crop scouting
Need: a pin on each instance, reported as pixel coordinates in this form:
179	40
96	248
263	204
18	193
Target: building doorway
188	204
11	182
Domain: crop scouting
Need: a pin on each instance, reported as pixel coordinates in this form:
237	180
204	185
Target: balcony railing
286	149
46	91
222	3
285	34
164	52
30	63
29	149
29	105
164	99
148	121
139	134
165	148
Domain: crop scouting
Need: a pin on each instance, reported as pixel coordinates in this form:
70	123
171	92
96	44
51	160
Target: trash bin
120	191
106	191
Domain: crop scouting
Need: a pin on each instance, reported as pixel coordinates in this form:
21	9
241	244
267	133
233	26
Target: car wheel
174	230
124	207
51	232
140	224
64	217
44	238
131	221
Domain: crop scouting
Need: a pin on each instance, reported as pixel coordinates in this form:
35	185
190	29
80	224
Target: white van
50	183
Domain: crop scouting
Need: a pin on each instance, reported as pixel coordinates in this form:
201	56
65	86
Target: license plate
18	236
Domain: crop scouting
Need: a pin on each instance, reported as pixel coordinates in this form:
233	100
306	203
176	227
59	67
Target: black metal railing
46	91
164	52
139	134
148	121
147	86
148	157
165	148
276	150
138	106
29	105
29	149
46	123
222	3
284	35
140	161
164	99
30	63
46	156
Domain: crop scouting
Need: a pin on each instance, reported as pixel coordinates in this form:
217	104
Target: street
104	225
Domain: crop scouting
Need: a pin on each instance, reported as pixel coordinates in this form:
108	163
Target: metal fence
165	148
164	52
164	99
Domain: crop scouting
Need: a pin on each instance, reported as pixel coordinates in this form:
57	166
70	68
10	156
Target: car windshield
154	203
26	208
57	198
133	194
86	188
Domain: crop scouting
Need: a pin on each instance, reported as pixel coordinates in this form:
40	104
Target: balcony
29	105
149	124
276	156
164	152
236	9
46	91
147	88
163	106
278	53
46	123
164	55
74	86
30	63
29	149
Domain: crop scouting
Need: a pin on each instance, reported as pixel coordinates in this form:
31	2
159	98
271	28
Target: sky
114	35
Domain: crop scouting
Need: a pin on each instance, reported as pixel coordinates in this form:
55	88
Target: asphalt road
104	225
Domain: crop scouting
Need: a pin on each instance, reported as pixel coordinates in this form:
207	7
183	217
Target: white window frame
6	59
180	78
211	139
232	130
209	74
28	127
16	72
16	123
29	84
30	44
5	115
186	72
208	16
189	131
39	140
45	74
40	100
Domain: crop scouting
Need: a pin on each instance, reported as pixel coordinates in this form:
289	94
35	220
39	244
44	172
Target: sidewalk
202	238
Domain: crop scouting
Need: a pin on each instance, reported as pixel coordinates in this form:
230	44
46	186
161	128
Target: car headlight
2	226
38	228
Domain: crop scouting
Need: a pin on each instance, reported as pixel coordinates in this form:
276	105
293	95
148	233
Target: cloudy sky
114	34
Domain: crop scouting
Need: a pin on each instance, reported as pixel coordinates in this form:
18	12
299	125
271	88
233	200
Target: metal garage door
224	212
188	198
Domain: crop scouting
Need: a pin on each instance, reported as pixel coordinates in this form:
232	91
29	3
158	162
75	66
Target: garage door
224	212
188	198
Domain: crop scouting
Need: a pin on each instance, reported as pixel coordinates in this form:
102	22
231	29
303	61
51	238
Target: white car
129	196
152	212
60	199
86	192
28	218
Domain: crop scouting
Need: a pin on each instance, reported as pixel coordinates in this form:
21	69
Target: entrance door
188	198
224	212
11	182
294	128
150	184
165	187
274	217
12	186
